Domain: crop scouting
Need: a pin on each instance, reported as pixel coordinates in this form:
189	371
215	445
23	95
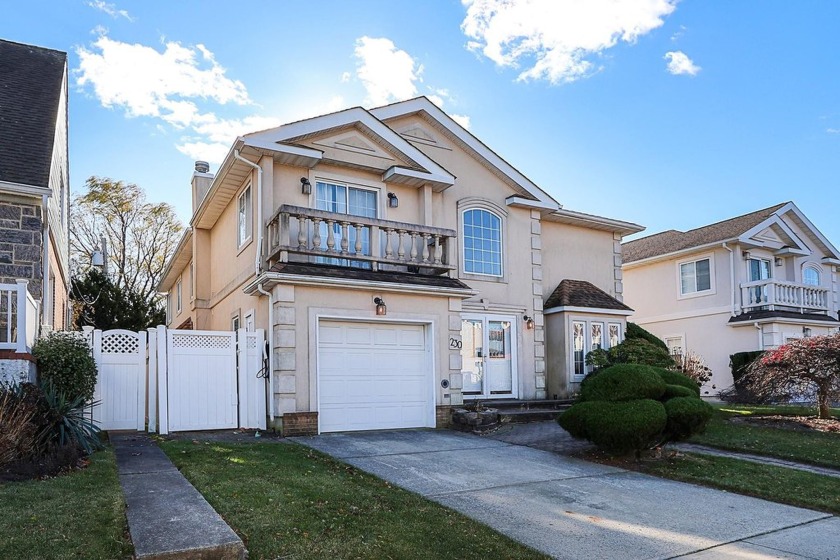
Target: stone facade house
400	267
34	192
748	283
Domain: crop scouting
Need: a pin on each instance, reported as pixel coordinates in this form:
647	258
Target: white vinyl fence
179	380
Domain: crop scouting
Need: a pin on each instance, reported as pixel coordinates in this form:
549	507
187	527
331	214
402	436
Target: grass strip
288	501
76	515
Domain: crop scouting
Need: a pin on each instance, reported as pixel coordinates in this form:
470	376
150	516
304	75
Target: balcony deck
779	295
298	234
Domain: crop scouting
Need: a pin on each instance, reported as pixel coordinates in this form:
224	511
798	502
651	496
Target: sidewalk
763	459
167	517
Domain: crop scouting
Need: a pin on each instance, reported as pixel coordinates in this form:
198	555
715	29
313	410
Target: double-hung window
244	217
586	336
482	242
695	276
178	296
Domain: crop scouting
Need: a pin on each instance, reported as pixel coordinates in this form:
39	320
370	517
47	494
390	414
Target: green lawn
287	501
776	484
76	515
818	448
772	409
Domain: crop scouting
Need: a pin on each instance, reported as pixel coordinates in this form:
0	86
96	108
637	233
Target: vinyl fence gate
179	380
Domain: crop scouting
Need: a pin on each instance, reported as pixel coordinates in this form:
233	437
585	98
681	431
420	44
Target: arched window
811	276
482	242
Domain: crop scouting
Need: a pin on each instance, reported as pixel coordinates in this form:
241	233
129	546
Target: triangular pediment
357	146
415	132
768	235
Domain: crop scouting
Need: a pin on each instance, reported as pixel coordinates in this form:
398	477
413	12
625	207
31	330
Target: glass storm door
759	270
353	201
488	356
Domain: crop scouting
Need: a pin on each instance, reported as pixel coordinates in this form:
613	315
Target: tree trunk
822	399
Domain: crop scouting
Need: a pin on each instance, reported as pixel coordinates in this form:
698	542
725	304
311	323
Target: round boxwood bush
676	378
672	391
687	416
617	427
623	382
65	361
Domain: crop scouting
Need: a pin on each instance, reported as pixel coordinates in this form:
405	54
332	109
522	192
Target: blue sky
668	114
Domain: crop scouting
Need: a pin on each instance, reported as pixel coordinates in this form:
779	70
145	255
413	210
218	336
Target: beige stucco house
747	283
400	266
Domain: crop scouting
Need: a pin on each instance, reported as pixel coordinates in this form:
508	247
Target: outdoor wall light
529	322
393	201
305	186
381	308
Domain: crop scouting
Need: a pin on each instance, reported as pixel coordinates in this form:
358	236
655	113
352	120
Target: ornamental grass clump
632	407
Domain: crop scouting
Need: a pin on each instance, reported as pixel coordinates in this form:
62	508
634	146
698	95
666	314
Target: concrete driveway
573	509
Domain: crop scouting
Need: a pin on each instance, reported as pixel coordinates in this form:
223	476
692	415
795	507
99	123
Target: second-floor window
178	296
482	242
345	199
810	276
695	276
244	217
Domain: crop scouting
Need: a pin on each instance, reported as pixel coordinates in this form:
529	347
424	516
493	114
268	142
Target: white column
151	375
163	383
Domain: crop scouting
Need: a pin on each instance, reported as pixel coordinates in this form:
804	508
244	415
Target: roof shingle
579	293
30	90
672	240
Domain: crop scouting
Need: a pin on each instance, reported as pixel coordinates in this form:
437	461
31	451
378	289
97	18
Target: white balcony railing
776	294
18	317
341	239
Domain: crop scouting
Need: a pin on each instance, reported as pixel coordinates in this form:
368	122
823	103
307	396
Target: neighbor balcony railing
18	317
343	239
775	294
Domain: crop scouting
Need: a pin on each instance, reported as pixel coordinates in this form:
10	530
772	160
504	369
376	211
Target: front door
488	355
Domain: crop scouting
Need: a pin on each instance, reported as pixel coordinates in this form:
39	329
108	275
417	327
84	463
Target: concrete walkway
167	517
573	509
763	459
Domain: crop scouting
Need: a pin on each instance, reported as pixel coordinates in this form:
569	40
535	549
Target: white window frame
816	268
249	217
587	321
178	293
250	315
675	337
235	322
697	293
463	247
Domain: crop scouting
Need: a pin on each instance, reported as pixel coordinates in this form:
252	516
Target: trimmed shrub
687	416
66	363
672	391
574	419
634	331
618	427
676	378
623	382
640	351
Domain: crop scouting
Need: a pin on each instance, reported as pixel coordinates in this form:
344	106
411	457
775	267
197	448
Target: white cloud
345	77
556	39
833	130
110	9
463	120
387	73
679	64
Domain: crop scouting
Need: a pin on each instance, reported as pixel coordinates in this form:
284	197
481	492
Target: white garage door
373	376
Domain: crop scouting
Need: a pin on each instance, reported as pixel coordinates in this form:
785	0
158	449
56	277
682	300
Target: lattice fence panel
200	341
120	343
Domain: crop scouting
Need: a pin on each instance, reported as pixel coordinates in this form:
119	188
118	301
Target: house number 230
455	343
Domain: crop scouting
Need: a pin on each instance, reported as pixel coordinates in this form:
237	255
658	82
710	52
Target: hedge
65	361
623	382
687	416
676	378
618	427
635	331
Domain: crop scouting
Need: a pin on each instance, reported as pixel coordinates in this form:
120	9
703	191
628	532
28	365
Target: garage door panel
373	376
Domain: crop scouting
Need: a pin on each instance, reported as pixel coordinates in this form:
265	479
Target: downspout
760	336
45	251
261	290
732	278
258	258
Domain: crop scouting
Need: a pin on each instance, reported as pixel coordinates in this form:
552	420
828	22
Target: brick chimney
201	180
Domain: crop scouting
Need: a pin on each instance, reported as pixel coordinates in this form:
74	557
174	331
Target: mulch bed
60	460
796	423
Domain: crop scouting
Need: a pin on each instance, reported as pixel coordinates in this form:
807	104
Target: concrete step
167	517
530	415
516	404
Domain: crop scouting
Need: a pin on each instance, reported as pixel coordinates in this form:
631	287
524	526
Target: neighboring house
400	267
34	192
748	283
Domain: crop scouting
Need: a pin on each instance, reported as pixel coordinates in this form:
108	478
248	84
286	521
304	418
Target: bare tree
140	235
806	367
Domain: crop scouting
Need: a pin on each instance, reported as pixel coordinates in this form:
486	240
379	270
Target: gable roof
31	81
443	121
579	293
671	241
